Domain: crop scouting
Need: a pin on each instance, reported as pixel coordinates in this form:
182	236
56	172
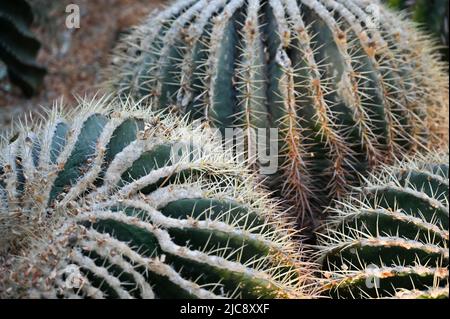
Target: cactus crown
391	238
348	89
112	201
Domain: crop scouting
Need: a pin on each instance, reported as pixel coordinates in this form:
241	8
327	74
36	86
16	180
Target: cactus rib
390	239
109	201
346	96
18	46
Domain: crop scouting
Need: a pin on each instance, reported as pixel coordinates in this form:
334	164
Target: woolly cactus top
348	83
97	203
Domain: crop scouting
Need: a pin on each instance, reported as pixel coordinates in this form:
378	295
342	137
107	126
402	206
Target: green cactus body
344	95
431	14
120	203
18	46
391	238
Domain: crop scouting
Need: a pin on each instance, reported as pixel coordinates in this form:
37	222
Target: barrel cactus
348	88
110	201
19	47
431	14
391	238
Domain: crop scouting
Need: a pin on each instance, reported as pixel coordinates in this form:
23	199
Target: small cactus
391	238
18	46
348	89
112	201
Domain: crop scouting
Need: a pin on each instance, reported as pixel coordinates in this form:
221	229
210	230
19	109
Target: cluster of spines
391	238
430	15
94	205
345	95
19	47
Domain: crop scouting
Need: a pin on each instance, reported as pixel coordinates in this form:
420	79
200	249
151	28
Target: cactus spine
18	46
346	96
94	204
391	238
431	14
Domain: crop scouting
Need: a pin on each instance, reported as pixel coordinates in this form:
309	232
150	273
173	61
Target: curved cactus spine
390	239
345	96
19	47
112	201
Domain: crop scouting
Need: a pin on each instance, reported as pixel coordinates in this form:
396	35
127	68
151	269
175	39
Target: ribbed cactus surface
18	46
431	14
113	202
391	238
347	87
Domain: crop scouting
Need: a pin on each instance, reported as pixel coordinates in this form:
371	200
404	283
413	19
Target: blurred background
41	59
57	61
432	15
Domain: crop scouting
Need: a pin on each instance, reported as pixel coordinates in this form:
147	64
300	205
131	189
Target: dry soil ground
74	57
